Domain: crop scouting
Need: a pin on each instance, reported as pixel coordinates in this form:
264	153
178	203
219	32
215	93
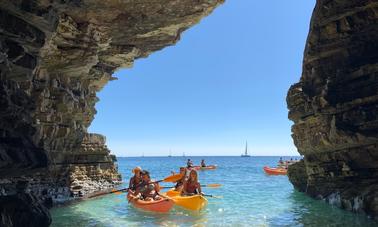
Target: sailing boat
246	155
170	153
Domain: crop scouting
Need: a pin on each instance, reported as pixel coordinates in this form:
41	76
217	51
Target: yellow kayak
194	202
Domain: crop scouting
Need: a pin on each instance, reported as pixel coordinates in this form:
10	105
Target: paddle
213	196
203	185
172	178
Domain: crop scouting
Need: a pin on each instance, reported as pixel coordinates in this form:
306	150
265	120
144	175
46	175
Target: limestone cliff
54	56
334	107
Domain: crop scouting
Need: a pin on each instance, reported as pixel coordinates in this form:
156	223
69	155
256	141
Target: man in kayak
189	163
180	183
192	186
136	179
147	190
203	163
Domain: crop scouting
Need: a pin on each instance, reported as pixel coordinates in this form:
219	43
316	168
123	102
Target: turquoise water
250	198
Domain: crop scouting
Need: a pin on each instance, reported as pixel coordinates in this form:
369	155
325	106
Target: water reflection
305	211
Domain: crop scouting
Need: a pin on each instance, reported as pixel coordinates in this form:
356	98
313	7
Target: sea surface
249	198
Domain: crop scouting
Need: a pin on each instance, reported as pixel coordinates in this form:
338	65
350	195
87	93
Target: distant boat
170	153
183	154
143	155
246	155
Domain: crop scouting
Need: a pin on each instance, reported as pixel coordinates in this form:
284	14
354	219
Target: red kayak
275	171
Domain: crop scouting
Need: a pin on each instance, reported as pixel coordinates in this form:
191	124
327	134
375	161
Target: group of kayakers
188	184
285	164
189	163
142	187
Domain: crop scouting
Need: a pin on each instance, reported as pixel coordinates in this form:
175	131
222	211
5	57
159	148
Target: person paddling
192	186
147	190
136	179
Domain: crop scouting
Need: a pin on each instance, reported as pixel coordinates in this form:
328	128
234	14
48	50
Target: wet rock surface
54	57
334	107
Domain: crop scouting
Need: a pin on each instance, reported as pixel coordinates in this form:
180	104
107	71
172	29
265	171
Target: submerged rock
334	107
54	57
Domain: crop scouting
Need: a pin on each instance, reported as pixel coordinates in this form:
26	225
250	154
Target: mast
246	148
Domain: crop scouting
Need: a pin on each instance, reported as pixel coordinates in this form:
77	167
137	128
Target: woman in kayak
147	190
136	179
192	186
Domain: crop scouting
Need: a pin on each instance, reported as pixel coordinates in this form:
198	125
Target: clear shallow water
250	198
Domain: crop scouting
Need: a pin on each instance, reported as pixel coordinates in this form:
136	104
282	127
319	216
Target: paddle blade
117	192
211	185
173	178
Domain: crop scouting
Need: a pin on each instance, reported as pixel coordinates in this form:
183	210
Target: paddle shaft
105	193
115	191
202	185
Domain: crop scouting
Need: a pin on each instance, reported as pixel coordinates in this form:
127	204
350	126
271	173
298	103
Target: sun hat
137	169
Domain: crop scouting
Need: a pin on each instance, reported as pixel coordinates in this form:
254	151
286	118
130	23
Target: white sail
246	150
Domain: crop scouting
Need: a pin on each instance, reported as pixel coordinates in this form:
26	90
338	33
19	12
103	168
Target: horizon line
147	156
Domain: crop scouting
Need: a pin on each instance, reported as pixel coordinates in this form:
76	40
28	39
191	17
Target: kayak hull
275	171
194	202
160	206
210	167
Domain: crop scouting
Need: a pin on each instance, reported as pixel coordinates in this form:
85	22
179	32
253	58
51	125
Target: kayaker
136	179
189	163
192	186
147	190
203	163
180	183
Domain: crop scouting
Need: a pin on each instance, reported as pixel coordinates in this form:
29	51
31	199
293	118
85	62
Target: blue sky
224	83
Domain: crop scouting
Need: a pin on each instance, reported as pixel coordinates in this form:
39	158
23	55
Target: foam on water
250	198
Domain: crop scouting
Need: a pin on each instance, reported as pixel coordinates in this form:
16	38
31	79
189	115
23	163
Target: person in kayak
189	163
180	183
192	186
136	179
147	190
203	163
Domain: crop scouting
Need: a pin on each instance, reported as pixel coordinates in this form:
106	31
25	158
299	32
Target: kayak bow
275	171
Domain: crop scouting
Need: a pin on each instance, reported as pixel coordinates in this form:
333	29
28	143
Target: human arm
199	188
131	182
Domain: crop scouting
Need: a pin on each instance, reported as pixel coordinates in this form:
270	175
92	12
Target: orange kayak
161	206
275	171
209	167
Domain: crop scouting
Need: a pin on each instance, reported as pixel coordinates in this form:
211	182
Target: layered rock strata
334	107
54	57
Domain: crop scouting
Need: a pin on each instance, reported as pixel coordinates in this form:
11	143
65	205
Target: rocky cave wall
54	56
334	107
